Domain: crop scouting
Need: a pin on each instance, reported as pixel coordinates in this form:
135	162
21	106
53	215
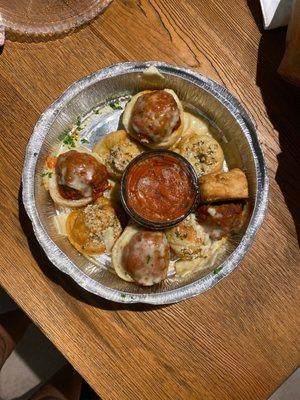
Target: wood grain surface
240	340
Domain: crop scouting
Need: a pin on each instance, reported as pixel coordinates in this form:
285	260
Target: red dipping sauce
160	186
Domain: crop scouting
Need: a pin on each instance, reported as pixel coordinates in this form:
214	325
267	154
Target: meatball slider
77	179
154	118
141	256
221	220
224	195
220	186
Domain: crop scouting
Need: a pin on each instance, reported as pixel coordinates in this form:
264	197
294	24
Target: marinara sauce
159	188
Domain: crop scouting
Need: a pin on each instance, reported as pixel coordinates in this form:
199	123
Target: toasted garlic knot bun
231	185
154	118
188	239
93	229
78	183
116	151
141	256
202	151
185	267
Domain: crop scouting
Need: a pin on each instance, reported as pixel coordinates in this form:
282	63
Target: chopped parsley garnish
115	105
96	111
49	174
67	138
78	124
69	141
123	295
217	270
83	140
64	134
148	258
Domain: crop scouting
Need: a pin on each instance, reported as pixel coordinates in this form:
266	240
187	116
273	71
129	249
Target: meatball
221	219
80	175
155	116
146	257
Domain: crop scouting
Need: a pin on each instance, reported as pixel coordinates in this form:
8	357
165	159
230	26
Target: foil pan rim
64	264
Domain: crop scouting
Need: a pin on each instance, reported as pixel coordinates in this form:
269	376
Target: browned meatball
80	175
155	116
222	219
146	257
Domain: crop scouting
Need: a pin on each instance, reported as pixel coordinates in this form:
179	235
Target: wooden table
239	340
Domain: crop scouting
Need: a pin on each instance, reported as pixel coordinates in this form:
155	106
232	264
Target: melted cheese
79	183
109	238
211	211
185	267
116	256
152	71
60	223
195	124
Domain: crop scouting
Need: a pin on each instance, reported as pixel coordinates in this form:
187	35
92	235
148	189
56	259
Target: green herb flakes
115	105
96	111
148	259
64	134
123	295
78	124
49	174
217	270
83	140
69	141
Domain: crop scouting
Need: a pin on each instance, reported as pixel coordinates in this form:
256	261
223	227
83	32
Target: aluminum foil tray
231	126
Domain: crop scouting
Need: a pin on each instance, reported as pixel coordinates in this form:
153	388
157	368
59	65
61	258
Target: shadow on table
282	102
64	280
